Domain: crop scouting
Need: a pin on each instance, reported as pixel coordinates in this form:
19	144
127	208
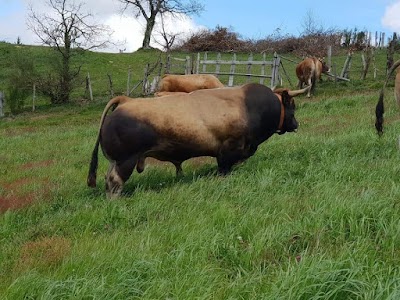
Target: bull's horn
299	92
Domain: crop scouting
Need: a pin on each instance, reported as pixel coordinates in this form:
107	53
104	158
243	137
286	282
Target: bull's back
305	68
200	121
188	83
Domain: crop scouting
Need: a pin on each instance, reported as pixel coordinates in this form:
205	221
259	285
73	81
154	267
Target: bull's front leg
118	173
231	152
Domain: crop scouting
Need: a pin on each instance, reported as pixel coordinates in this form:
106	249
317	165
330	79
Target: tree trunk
149	29
65	84
65	81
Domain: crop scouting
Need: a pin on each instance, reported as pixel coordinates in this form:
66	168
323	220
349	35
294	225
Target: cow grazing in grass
379	110
188	83
226	123
309	71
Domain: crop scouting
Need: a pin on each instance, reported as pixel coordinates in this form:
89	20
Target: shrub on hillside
222	39
19	83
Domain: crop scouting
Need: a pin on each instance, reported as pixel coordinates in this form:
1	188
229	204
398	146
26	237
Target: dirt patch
15	201
37	164
10	132
19	194
16	184
43	253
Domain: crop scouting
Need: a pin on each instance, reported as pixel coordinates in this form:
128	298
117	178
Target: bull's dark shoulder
263	111
122	135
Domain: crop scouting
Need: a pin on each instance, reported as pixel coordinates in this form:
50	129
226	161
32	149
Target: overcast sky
251	19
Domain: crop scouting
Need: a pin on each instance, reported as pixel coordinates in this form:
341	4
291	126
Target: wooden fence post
198	63
218	64
205	65
262	78
249	65
111	85
329	60
346	66
146	80
366	60
334	72
232	70
168	64
188	65
89	87
34	97
128	81
1	104
274	73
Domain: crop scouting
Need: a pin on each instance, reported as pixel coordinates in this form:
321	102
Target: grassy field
312	215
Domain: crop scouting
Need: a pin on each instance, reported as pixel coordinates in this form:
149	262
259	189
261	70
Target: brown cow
226	123
162	94
309	71
188	83
379	110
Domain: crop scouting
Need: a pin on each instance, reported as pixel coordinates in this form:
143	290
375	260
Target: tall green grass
312	215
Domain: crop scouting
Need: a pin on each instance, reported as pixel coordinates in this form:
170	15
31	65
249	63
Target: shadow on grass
155	179
158	179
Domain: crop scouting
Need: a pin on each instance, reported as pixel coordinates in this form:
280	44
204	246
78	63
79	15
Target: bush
20	80
15	98
222	39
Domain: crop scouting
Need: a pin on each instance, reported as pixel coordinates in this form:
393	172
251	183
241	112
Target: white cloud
128	31
391	18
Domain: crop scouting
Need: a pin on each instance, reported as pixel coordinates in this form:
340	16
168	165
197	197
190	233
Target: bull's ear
285	98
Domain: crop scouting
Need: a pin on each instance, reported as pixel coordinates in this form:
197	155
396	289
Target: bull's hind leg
118	173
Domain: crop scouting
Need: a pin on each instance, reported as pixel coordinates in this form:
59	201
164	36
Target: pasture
312	215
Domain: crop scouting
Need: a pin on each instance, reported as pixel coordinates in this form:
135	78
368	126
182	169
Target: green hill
312	215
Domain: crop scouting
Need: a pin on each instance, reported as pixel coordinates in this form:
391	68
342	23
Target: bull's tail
91	179
380	108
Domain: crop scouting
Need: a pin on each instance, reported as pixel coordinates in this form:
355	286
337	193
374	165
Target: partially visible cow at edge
226	123
379	110
309	71
170	83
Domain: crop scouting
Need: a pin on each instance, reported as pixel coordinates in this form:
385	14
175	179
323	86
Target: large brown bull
226	123
187	83
379	110
309	71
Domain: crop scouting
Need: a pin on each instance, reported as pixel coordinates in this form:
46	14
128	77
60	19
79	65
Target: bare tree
149	9
168	38
310	24
66	29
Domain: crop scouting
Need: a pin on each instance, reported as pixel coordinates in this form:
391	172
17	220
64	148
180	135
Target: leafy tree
65	29
149	9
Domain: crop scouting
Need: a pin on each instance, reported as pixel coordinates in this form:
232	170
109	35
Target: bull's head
325	67
289	122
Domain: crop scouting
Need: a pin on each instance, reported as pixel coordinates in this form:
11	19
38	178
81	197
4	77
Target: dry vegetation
223	39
